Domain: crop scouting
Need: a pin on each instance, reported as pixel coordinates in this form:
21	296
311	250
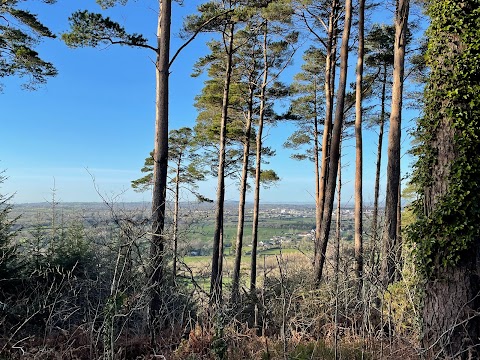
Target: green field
206	260
200	266
267	229
293	247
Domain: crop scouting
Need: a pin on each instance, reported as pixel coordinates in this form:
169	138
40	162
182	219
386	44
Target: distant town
281	225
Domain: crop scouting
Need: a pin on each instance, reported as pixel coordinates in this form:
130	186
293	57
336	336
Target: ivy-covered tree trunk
447	232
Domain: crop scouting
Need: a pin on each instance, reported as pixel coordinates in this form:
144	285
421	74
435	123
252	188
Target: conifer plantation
379	100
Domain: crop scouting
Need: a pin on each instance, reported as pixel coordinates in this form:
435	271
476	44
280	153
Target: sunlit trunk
327	129
175	220
216	275
241	202
359	151
390	244
334	155
256	198
159	166
376	196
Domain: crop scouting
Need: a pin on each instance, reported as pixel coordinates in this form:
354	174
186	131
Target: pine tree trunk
338	224
399	247
316	154
216	275
390	245
451	319
256	199
175	220
159	167
337	253
359	154
450	314
330	66
449	174
376	197
334	146
241	202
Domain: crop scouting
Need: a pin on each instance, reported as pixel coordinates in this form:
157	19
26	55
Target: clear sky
91	127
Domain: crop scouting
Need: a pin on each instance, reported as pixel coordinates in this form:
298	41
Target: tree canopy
20	32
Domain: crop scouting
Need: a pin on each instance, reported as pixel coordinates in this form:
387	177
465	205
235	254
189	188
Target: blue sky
91	127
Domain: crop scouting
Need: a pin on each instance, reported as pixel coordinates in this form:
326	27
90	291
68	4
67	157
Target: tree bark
160	166
451	309
256	199
390	244
316	154
175	220
337	251
399	247
216	275
448	174
330	65
359	153
376	197
450	315
241	202
334	146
